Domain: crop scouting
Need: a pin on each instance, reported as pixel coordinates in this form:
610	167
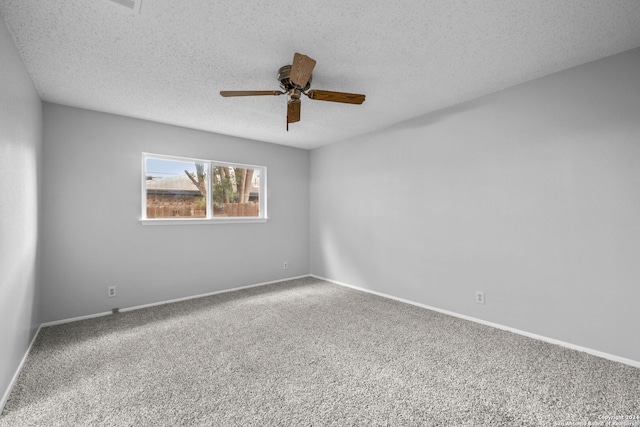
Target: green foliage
223	191
200	201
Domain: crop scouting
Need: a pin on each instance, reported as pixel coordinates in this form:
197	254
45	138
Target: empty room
319	213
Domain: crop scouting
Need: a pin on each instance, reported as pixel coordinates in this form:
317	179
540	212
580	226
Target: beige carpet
308	352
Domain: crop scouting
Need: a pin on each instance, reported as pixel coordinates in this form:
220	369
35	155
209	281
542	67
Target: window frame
210	218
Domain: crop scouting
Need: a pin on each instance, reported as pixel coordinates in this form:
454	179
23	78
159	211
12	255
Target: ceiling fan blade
227	93
293	111
327	95
301	69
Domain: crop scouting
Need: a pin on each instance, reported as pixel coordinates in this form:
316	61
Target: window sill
201	221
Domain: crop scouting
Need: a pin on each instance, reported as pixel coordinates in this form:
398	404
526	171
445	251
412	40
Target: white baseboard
224	291
604	355
75	319
5	397
613	357
153	304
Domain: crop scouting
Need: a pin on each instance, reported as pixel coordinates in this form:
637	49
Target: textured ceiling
168	62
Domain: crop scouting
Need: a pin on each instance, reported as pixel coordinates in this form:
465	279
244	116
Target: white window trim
210	219
201	221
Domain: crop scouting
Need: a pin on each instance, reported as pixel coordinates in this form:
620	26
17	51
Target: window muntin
178	188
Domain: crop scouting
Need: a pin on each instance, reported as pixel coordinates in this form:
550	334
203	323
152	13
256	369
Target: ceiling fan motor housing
284	74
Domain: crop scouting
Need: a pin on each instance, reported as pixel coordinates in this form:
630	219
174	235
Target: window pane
236	192
175	188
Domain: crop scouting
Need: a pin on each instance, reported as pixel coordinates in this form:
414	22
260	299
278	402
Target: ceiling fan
295	80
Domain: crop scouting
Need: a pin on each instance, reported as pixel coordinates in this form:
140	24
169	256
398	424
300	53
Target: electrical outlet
111	291
480	297
285	265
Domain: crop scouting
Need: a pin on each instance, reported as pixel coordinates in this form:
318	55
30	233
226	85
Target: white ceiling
169	62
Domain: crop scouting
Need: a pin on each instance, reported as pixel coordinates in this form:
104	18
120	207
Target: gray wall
531	195
93	237
20	152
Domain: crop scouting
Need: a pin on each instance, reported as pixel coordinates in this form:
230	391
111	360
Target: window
195	190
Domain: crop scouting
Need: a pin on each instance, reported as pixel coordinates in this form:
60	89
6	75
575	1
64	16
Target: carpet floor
307	352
